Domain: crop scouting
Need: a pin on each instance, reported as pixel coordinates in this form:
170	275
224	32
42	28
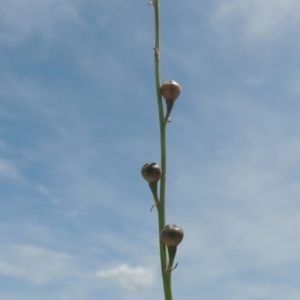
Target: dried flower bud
170	90
172	235
151	172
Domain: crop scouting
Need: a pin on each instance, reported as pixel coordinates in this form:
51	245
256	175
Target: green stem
166	276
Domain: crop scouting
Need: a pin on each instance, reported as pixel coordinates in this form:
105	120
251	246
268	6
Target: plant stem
163	146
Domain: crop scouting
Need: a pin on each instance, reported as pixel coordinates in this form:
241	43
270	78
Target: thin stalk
166	276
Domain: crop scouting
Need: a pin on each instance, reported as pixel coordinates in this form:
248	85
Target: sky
78	120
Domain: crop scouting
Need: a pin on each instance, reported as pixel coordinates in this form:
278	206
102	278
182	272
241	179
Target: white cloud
36	264
257	19
131	278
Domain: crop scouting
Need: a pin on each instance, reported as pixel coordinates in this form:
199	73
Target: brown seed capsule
172	235
151	172
170	90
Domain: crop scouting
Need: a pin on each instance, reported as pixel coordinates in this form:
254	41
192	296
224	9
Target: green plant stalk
166	276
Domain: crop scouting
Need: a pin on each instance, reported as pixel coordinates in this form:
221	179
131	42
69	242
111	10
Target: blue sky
79	119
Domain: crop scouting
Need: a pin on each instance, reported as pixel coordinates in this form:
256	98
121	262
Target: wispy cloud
257	19
36	264
48	19
9	170
241	202
132	278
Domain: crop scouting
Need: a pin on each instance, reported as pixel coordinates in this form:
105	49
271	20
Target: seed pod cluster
171	234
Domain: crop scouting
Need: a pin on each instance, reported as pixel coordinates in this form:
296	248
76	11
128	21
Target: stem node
170	270
154	204
156	51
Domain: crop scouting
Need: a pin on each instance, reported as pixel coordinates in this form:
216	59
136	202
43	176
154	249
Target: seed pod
170	90
151	173
172	235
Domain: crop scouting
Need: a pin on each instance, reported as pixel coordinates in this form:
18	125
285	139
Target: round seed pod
172	235
151	172
170	90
